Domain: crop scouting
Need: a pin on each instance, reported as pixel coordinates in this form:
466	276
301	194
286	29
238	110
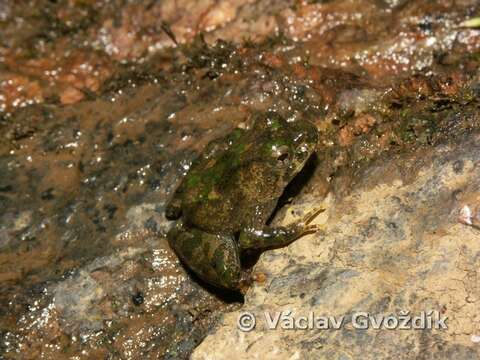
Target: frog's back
228	196
236	182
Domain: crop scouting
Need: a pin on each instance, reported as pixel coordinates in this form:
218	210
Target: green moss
193	180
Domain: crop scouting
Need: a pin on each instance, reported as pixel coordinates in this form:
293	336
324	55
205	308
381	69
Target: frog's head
288	144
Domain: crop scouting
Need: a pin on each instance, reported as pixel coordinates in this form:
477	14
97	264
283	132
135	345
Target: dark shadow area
297	184
249	258
225	295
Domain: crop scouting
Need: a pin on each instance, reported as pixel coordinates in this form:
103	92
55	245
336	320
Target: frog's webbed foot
270	237
304	226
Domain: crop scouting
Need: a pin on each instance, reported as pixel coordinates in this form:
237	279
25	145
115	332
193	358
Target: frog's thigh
214	258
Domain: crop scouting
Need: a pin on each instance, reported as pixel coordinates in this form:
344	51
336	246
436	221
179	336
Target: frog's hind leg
271	237
214	258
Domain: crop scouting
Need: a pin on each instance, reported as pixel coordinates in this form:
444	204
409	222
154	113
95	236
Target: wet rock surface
102	114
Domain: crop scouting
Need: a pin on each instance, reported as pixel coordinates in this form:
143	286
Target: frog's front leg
214	258
271	237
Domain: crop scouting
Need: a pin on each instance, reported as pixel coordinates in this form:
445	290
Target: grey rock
387	249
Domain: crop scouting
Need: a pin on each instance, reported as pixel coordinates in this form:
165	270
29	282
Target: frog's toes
311	229
312	214
304	223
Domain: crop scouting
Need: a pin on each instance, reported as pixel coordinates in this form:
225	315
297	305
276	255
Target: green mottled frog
230	192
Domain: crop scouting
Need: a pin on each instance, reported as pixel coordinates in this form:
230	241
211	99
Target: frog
227	197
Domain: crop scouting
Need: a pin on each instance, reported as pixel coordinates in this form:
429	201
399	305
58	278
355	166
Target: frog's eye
301	154
281	154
